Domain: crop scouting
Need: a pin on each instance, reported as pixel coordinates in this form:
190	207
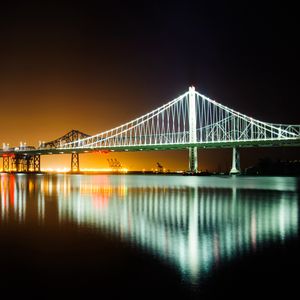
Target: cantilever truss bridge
189	121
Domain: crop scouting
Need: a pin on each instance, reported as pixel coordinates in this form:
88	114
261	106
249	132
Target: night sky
95	65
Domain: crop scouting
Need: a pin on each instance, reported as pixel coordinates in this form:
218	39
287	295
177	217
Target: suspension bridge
190	121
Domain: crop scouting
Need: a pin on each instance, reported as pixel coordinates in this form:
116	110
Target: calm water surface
192	225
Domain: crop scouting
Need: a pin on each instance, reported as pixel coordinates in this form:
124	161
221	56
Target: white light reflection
193	228
184	221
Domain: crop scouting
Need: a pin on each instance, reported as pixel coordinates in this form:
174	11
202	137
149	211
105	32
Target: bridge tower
75	162
236	167
193	159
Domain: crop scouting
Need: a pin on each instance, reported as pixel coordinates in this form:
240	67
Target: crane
114	163
159	167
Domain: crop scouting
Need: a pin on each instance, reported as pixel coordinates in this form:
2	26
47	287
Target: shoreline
149	173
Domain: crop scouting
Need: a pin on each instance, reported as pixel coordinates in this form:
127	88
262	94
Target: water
177	229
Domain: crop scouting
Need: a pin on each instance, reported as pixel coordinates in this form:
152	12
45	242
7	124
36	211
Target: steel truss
73	135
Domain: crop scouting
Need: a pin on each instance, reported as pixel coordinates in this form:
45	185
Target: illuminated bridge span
190	121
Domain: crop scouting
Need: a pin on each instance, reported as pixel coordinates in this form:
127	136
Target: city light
91	170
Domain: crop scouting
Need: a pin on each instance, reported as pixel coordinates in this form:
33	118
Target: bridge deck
203	145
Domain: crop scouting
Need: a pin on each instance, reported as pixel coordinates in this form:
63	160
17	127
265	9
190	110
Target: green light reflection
192	223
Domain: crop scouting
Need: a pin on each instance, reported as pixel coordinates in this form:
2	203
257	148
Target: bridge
190	121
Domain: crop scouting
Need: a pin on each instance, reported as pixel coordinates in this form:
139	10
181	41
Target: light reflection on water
192	223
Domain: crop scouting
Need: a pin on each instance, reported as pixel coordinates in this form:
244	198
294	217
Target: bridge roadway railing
210	134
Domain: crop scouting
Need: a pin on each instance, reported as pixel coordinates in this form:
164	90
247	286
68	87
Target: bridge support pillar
193	160
236	167
19	164
27	163
6	164
37	163
14	164
75	163
30	163
193	164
